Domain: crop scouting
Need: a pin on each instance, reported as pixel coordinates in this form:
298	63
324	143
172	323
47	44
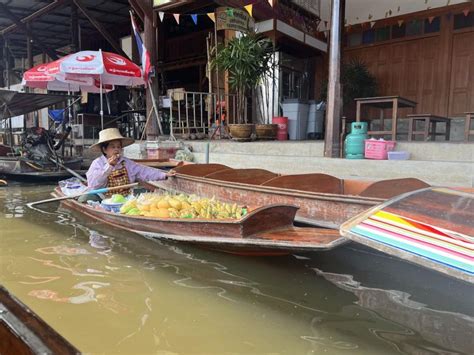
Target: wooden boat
323	200
24	332
267	230
20	168
431	227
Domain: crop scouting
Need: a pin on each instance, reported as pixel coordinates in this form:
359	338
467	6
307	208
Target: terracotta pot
241	131
266	131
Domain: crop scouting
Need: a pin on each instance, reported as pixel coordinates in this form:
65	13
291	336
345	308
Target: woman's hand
113	160
171	173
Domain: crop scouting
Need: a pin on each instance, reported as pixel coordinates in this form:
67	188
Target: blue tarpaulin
56	115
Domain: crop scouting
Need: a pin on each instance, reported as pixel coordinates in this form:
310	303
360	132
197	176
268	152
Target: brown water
111	292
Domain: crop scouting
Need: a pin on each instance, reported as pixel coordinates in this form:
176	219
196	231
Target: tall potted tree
246	59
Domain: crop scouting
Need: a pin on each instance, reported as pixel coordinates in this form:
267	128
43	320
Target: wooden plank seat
430	125
467	126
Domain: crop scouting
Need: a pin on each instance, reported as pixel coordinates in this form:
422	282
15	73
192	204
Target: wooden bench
429	129
467	126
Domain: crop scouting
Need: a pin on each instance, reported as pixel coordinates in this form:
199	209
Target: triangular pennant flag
270	2
400	23
372	23
465	12
249	9
176	17
161	14
212	16
430	19
230	12
195	18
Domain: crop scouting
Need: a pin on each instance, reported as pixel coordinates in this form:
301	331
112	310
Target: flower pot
266	131
241	131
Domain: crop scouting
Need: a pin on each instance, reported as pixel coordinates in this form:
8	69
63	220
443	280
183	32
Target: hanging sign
233	19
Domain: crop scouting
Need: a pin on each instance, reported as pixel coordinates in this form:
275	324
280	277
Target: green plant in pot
356	81
246	59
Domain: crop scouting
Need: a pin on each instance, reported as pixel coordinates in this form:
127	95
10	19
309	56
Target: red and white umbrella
90	71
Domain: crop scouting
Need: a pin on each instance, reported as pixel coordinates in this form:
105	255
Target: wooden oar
98	191
72	172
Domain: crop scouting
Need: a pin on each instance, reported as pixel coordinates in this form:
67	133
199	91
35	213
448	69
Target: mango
163	204
175	203
162	213
134	212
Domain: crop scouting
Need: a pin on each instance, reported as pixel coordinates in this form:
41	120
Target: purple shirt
100	169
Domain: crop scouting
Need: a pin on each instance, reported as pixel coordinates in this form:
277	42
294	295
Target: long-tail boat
24	332
432	227
266	230
323	200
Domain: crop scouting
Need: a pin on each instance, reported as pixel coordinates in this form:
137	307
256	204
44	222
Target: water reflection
143	296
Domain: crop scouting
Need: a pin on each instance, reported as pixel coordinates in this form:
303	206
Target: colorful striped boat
432	227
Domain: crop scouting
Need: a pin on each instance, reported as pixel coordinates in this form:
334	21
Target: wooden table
467	126
383	103
429	130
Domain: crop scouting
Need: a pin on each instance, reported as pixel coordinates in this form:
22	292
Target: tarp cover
14	103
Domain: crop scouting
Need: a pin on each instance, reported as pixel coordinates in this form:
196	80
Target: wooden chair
429	129
467	126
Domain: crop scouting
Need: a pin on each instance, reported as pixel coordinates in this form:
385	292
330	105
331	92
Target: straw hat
108	135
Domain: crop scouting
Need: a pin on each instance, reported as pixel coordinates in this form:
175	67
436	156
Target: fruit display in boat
181	206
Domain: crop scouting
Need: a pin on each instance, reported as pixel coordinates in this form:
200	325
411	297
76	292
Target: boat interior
316	182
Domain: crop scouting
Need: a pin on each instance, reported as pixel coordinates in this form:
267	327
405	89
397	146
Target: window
462	21
414	28
354	39
434	26
368	36
382	34
398	31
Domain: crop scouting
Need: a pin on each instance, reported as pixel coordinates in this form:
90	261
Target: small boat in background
24	332
432	227
323	200
266	230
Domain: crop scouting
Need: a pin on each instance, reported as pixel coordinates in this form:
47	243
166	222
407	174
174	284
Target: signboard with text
228	18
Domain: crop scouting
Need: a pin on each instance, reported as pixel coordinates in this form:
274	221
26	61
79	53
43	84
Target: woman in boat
112	169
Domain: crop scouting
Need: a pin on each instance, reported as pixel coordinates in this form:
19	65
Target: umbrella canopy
14	103
110	68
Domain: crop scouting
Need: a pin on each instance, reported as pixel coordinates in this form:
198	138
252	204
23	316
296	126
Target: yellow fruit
185	205
163	204
162	213
175	203
145	207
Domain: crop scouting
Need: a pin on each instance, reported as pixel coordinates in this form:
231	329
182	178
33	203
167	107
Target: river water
112	292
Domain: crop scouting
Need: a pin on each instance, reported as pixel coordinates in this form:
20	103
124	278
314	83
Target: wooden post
74	29
334	104
6	63
152	131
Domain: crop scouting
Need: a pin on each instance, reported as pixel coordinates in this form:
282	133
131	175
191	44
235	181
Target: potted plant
246	59
356	81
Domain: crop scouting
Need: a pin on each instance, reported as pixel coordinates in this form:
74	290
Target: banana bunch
181	206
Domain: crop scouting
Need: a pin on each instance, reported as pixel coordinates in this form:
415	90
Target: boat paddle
97	191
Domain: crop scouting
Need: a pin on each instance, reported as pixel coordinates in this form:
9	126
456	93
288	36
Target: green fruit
118	198
134	212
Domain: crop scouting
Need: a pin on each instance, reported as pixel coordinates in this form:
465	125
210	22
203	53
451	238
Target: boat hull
432	227
25	170
267	230
317	209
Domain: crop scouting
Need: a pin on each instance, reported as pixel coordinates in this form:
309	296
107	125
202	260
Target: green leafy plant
247	60
356	80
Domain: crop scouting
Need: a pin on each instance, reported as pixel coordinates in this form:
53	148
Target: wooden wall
435	70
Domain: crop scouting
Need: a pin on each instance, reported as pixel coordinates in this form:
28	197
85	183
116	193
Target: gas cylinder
354	142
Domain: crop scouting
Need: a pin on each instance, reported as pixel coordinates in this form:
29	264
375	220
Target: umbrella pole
101	104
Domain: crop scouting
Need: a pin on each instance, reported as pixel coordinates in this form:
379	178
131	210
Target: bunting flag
430	19
249	9
270	2
161	15
195	18
230	12
212	16
176	17
465	12
400	23
372	23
